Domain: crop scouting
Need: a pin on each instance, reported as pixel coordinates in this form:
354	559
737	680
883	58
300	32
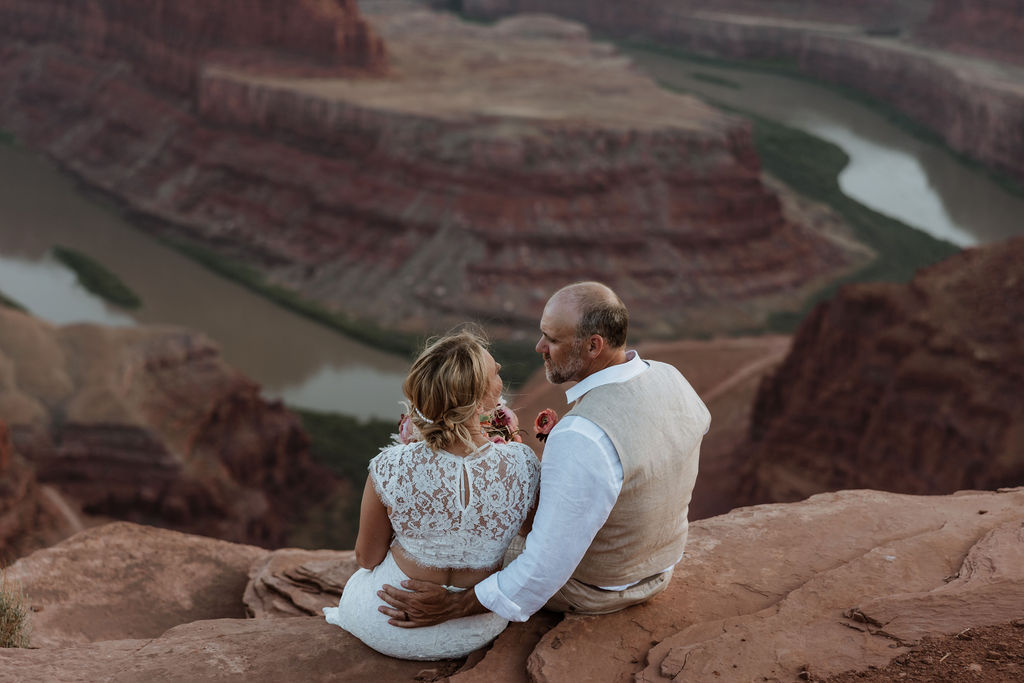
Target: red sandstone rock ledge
789	591
976	106
490	166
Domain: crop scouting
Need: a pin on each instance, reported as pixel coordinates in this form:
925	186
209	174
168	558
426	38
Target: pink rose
506	418
406	429
501	426
545	422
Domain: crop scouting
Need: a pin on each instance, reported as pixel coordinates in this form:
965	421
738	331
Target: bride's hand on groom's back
422	603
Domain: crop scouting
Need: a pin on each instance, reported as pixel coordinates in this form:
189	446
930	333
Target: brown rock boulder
253	650
151	425
122	581
913	388
764	592
292	582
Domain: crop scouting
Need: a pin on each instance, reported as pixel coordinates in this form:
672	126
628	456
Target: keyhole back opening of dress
464	485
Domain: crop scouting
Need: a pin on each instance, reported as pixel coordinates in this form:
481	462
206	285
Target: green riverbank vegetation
714	80
518	359
811	166
97	279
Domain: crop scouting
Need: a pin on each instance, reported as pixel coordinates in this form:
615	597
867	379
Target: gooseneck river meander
311	366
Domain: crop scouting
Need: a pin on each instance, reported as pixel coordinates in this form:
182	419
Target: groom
616	479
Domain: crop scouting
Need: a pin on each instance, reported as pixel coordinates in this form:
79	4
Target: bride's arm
375	531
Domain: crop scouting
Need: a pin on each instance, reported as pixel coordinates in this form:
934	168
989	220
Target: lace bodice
457	512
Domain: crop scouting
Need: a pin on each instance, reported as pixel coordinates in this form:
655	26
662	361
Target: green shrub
14	626
97	279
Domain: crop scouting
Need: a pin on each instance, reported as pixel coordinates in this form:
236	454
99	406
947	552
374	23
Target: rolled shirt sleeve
581	477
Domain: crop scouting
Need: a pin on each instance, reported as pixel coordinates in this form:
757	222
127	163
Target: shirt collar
614	374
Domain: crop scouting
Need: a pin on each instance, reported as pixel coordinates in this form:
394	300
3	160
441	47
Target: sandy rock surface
840	581
126	581
294	582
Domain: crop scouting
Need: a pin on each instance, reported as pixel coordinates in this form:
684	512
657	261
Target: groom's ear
595	345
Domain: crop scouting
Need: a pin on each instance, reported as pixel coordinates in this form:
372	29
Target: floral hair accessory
545	422
501	426
407	432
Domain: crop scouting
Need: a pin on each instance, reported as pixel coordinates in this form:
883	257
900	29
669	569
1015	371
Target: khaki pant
577	597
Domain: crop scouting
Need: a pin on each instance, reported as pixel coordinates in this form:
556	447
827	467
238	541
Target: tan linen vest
656	422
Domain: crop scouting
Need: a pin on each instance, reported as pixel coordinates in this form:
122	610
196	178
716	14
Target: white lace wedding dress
447	511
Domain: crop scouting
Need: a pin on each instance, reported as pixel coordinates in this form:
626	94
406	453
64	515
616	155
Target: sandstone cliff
31	516
913	388
167	41
782	592
488	167
150	424
977	107
988	28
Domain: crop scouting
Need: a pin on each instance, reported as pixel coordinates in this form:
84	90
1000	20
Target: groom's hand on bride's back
422	603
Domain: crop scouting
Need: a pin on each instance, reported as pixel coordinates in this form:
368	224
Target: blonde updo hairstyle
447	384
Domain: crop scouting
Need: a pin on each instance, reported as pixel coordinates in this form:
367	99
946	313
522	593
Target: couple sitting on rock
441	514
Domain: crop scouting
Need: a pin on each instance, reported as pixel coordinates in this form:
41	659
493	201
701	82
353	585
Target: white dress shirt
580	480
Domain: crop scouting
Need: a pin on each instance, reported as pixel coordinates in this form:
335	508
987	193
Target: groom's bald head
599	311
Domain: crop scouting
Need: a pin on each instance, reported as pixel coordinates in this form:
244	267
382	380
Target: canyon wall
490	166
166	41
977	108
868	14
912	388
151	425
30	515
986	28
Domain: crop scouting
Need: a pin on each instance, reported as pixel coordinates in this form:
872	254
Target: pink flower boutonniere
545	422
501	426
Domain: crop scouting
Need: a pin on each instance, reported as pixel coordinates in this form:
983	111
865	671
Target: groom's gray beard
564	373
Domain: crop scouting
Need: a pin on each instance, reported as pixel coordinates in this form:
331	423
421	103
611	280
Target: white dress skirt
357	613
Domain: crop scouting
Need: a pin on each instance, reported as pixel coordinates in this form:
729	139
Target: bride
441	509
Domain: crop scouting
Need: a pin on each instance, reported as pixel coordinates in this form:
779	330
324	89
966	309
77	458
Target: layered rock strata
150	424
987	28
490	166
913	388
976	107
167	41
31	516
796	591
